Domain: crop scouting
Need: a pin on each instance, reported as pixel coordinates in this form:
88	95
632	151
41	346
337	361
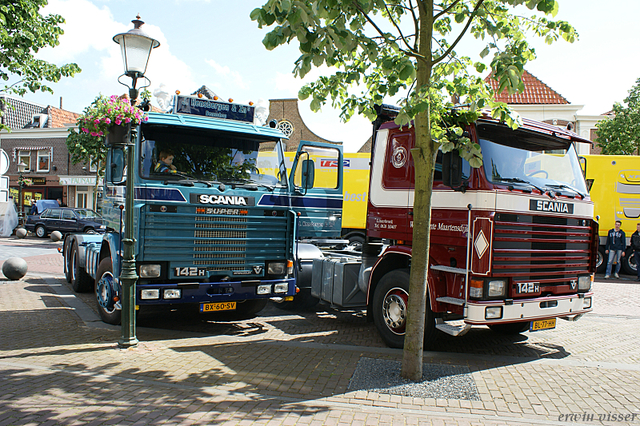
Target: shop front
35	188
80	190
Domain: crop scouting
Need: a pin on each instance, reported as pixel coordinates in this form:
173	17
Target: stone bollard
56	236
21	232
14	268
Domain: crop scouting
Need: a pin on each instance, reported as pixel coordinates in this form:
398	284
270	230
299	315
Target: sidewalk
60	365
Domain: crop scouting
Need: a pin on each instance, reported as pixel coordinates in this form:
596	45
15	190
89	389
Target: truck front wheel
80	280
106	293
390	303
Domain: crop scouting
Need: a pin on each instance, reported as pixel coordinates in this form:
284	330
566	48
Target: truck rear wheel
601	263
106	293
629	263
80	280
513	328
389	309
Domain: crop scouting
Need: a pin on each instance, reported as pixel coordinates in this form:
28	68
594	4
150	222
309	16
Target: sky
215	43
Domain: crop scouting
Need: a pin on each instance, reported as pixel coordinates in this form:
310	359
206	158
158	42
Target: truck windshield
166	155
556	169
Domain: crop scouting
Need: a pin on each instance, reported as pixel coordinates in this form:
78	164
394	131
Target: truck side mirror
452	169
115	172
308	174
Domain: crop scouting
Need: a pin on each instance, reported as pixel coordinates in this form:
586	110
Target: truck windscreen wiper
570	188
519	180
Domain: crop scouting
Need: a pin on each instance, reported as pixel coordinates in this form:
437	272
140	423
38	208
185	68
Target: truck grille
219	242
552	251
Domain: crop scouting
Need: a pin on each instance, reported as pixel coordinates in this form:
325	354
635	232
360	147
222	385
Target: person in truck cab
616	243
165	162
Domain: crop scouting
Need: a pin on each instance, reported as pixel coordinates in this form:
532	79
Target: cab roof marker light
177	92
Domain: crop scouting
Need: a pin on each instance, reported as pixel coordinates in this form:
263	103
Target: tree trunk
424	154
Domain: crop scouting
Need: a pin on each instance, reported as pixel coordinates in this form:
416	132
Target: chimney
60	102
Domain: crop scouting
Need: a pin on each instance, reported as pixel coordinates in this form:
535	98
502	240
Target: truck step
449	269
451	301
451	329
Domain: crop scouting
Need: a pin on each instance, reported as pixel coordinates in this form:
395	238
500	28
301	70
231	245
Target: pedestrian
616	243
635	245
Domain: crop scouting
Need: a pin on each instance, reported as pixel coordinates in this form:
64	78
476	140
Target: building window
25	157
43	160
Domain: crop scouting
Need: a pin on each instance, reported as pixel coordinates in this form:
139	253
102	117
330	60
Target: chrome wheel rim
394	310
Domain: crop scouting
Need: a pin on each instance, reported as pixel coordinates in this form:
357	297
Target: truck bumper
486	312
196	292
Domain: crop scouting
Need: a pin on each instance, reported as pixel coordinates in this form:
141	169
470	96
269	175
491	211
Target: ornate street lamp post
135	47
21	168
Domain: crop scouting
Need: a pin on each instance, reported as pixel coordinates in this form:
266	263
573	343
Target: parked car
65	220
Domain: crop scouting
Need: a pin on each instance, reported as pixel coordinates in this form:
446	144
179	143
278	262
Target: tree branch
397	27
464	30
451	6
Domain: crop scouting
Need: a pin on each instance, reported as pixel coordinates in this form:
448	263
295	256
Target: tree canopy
620	133
381	49
23	32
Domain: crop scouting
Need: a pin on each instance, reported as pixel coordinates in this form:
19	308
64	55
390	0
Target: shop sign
78	181
38	181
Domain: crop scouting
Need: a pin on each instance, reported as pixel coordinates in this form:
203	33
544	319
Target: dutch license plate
215	307
543	324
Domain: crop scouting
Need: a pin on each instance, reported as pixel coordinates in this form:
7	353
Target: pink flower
100	134
127	120
94	134
85	130
107	120
118	122
97	121
146	118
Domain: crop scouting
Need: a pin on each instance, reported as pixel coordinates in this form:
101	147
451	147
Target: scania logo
550	206
227	200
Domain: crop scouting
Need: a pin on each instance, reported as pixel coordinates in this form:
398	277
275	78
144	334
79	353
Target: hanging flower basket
109	114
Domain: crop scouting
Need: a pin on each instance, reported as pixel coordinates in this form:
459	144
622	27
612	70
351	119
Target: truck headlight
496	288
281	288
493	312
150	271
172	293
150	294
263	289
584	283
277	268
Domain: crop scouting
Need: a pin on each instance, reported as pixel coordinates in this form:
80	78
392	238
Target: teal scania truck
222	232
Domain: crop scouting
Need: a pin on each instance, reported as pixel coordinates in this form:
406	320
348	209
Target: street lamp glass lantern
135	47
22	167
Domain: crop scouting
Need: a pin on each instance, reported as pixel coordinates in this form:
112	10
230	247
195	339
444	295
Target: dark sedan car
64	219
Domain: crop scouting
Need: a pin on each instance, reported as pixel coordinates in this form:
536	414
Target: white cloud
225	73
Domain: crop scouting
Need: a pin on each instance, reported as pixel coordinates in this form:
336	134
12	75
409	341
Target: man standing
616	243
635	245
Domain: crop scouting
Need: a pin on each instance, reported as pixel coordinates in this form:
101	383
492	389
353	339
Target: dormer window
38	121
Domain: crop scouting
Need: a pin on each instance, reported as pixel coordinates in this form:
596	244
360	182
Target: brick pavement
58	366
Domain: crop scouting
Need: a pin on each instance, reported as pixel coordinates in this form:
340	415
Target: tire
512	328
81	282
390	307
105	285
41	231
65	261
629	263
601	263
356	242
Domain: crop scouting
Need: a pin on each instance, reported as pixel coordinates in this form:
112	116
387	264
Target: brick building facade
38	138
286	113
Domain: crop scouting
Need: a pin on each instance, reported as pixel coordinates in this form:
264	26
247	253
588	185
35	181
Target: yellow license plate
543	324
220	306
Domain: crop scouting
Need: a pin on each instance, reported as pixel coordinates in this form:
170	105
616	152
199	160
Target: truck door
316	185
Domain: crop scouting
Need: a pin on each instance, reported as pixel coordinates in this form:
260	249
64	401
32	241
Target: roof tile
535	92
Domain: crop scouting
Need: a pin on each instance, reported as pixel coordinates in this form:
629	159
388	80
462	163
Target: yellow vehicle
614	186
